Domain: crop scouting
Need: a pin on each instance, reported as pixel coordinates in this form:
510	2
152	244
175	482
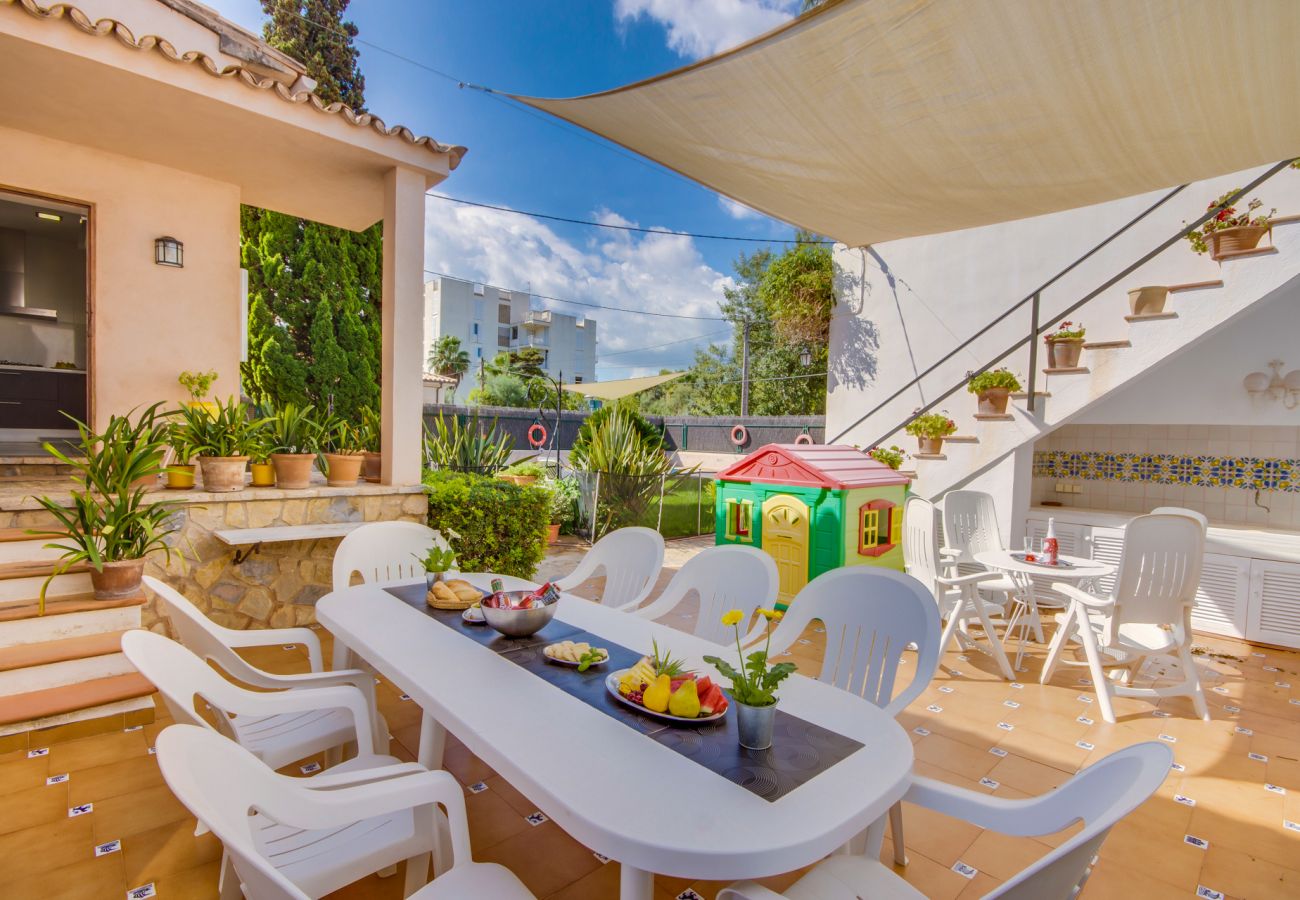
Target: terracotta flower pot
552	532
223	474
1147	301
119	579
343	469
1065	353
518	479
929	446
180	477
370	467
1235	239
993	401
263	474
292	470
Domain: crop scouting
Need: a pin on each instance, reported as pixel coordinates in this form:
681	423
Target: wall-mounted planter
1147	301
929	446
993	401
1064	353
1235	239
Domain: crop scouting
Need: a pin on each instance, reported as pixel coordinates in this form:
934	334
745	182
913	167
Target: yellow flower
732	617
772	615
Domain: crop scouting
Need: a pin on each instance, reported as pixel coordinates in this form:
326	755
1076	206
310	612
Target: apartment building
489	320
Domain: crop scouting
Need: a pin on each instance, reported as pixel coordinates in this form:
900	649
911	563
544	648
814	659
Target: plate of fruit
663	688
580	654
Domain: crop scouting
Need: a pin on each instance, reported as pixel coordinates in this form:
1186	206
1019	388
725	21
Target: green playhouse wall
890	559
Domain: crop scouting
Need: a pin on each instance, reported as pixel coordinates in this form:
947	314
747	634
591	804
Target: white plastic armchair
629	558
1100	795
278	727
1145	615
285	841
723	578
215	643
957	596
970	526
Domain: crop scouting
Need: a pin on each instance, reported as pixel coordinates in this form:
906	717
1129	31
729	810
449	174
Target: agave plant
222	429
631	462
369	430
467	447
294	429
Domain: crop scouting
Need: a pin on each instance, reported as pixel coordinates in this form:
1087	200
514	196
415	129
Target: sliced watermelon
712	701
702	685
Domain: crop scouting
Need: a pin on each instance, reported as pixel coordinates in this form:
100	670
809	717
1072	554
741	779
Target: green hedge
502	526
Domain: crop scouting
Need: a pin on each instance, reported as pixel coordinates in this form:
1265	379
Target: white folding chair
1145	615
381	553
285	841
970	526
278	727
958	597
1100	795
215	643
723	578
629	558
871	616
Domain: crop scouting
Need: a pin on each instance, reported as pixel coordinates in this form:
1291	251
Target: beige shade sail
869	120
623	387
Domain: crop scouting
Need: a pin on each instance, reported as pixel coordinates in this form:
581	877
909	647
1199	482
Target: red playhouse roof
832	466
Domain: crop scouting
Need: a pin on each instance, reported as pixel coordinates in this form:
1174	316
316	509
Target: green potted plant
260	446
929	431
1065	345
371	466
341	450
221	438
565	493
754	684
892	456
109	524
197	385
467	447
180	471
525	471
1228	231
436	561
294	439
992	389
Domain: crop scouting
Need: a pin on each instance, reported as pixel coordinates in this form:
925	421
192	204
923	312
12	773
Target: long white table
617	791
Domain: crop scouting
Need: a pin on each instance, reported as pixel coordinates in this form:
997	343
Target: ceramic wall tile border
1243	472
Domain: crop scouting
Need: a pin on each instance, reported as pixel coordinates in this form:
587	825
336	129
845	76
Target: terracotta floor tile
198	883
34	806
167	850
599	884
1000	856
118	818
954	756
114	779
98	751
91	879
1112	881
1248	831
492	819
941	838
1248	876
936	880
507	792
52	845
1160	854
545	858
21	772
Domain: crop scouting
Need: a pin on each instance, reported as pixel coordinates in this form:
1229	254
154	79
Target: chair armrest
950	553
331	780
973	578
241	702
1075	593
748	890
1005	816
362	681
268	637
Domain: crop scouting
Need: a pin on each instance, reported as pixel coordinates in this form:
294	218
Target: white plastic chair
630	559
277	727
958	597
871	616
1100	795
215	643
381	553
1145	614
970	526
285	841
725	577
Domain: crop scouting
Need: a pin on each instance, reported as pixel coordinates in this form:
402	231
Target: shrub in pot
1228	231
221	438
524	472
892	456
341	451
197	385
371	466
259	451
493	525
929	430
992	389
565	493
1065	346
294	440
109	525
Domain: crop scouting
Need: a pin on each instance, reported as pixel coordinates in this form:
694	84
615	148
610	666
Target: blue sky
526	161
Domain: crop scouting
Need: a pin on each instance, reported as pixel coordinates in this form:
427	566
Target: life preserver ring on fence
804	439
537	434
739	435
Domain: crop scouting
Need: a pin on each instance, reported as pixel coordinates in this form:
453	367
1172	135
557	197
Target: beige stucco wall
148	322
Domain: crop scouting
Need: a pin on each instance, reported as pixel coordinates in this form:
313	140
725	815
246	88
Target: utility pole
744	370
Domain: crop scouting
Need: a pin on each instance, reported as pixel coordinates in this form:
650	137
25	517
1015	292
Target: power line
565	219
638	312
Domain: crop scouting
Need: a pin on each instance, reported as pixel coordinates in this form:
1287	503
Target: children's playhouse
812	508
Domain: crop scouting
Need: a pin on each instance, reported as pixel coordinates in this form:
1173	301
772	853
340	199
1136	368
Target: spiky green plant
294	429
223	429
467	447
630	463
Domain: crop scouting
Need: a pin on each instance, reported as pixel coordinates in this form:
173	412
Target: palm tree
447	358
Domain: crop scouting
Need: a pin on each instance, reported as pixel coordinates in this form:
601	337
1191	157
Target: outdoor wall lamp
167	251
805	358
1276	386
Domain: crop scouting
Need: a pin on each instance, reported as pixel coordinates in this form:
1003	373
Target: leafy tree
314	290
501	389
528	362
448	358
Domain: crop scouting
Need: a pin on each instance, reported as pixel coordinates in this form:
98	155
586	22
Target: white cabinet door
1071	540
1274	610
1107	546
1223	597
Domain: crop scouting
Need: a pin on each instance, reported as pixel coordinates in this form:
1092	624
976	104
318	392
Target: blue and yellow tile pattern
1245	472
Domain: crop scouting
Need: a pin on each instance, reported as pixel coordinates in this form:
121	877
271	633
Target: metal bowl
519	622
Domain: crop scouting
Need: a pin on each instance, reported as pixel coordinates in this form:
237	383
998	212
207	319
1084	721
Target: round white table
1027	612
611	787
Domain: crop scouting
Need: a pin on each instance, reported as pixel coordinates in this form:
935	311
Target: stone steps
22	580
74	702
69	616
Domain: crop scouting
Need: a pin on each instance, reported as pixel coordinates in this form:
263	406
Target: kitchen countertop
1222	538
13	368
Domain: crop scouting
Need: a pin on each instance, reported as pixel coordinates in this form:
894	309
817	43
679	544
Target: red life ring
533	437
804	439
739	435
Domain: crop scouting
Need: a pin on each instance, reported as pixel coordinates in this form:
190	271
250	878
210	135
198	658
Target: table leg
433	742
635	884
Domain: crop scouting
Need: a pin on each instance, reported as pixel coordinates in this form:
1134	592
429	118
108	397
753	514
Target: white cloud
657	272
737	210
698	28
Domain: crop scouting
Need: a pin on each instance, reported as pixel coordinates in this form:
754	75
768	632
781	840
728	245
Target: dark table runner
799	751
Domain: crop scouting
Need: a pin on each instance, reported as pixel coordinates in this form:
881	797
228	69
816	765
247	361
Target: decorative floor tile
535	819
144	892
108	847
964	870
80	810
1199	843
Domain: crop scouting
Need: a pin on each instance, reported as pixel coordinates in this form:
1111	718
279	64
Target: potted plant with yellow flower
754	684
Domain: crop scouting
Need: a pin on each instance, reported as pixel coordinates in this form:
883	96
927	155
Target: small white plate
473	616
565	662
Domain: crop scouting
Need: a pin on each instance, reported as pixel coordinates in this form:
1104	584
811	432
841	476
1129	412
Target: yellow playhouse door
785	538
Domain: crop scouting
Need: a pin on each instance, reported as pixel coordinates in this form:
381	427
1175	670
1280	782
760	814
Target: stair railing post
1033	353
